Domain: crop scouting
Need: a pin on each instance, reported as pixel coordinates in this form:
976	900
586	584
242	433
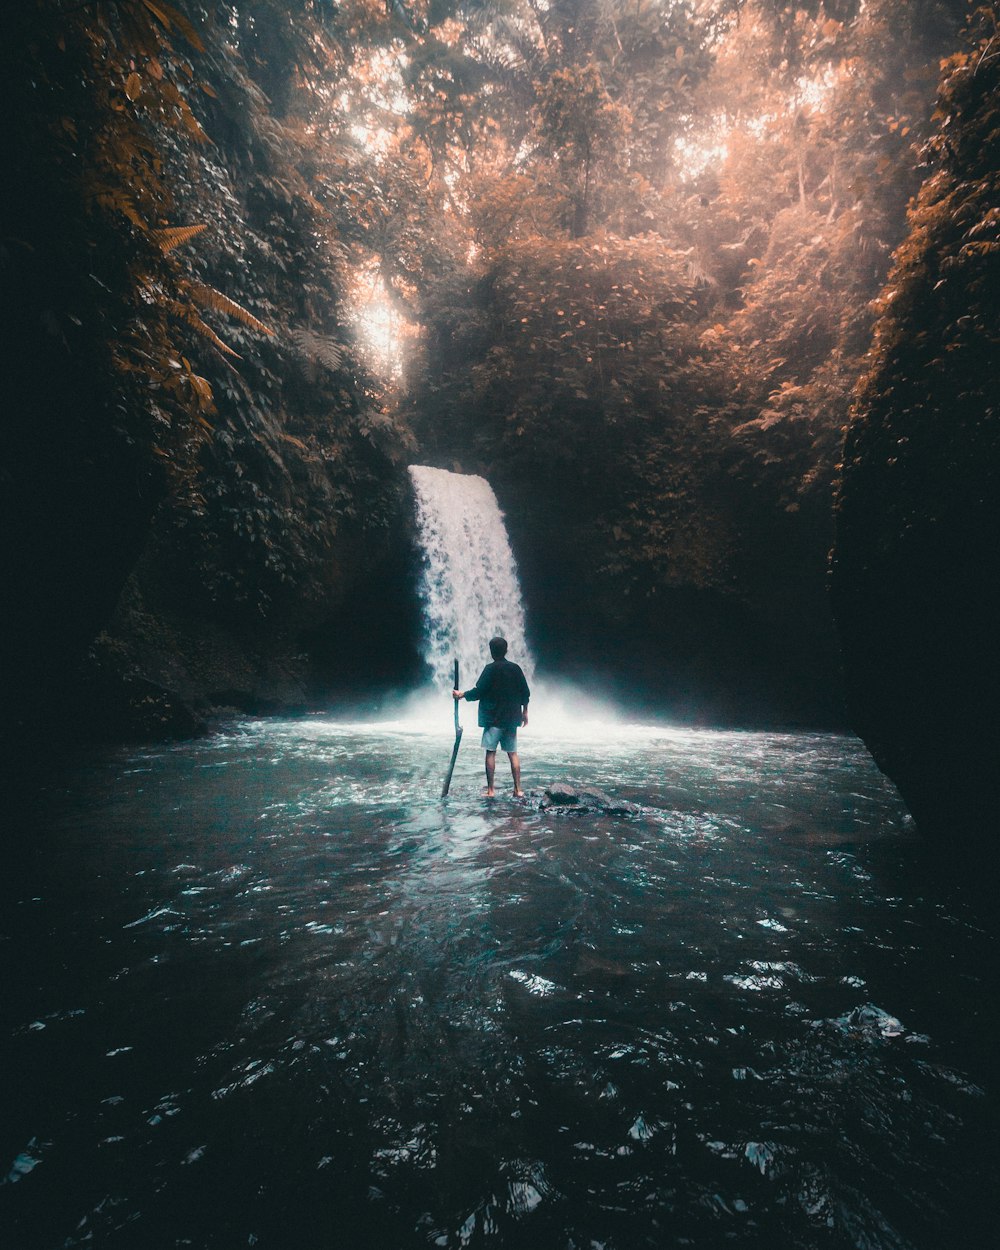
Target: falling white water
469	585
470	592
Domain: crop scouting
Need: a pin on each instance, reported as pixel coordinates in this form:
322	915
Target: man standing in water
503	696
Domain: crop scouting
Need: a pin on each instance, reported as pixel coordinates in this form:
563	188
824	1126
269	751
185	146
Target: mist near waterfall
470	592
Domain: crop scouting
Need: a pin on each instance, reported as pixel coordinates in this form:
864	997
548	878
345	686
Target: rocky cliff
202	502
916	572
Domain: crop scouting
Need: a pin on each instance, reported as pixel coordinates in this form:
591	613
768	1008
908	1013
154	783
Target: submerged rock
580	798
870	1021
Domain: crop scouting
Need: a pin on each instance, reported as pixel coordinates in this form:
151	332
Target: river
269	989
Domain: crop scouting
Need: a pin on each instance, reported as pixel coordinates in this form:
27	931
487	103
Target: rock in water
579	798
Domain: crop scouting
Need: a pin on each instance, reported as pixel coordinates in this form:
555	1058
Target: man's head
498	648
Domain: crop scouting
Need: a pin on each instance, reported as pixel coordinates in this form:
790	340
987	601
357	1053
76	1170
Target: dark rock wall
756	650
177	539
78	485
916	571
173	656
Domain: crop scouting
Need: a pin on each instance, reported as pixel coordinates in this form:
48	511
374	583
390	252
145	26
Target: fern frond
297	443
188	315
114	199
207	332
317	349
174	236
209	297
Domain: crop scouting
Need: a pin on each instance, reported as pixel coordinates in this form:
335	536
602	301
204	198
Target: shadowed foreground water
268	989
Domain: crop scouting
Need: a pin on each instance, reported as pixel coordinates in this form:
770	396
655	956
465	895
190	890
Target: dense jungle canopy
622	256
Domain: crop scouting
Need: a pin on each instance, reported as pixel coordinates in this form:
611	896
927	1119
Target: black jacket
502	691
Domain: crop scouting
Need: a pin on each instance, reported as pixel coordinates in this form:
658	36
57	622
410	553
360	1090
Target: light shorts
505	739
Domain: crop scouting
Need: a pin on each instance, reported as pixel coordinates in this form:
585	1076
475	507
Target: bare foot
489	794
518	794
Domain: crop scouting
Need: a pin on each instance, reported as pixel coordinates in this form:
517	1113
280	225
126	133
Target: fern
317	349
209	297
174	236
188	315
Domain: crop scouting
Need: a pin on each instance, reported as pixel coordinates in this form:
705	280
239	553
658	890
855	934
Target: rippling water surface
269	989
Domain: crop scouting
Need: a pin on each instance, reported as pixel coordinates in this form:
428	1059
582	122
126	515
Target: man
503	706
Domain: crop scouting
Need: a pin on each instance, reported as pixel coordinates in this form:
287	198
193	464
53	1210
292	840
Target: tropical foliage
627	252
919	503
665	297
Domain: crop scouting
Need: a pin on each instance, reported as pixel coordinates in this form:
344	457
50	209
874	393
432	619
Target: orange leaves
170	18
990	221
202	390
140	49
209	297
117	200
198	293
173	236
187	314
172	96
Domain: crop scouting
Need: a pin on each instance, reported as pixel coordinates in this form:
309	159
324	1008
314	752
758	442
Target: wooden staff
458	740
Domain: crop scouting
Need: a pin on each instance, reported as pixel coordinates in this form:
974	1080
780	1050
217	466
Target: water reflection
269	990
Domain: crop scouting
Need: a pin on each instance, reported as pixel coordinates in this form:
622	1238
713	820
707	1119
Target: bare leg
515	772
491	768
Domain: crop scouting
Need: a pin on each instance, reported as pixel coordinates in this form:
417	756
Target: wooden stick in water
458	741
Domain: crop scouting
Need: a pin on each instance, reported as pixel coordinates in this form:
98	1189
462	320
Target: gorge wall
916	574
200	487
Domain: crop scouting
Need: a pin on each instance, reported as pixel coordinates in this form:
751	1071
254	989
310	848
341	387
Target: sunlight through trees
620	253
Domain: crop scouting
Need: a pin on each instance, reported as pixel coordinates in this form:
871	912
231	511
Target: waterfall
469	585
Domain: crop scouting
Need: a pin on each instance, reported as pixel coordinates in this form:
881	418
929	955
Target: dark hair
498	647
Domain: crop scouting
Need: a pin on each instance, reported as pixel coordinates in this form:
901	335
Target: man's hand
524	718
457	694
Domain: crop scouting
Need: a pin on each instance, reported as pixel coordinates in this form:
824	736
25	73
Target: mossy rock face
916	570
